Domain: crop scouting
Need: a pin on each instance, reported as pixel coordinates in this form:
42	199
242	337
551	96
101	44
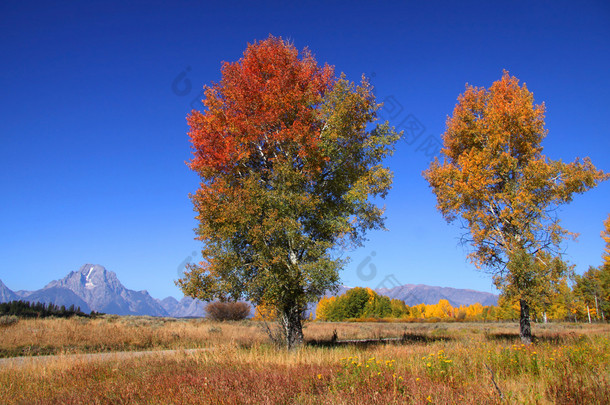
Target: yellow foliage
265	312
323	305
605	234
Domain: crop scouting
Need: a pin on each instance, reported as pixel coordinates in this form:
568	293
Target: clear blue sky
94	137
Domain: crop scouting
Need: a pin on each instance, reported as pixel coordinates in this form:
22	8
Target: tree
592	290
323	308
605	234
359	303
562	302
399	308
264	312
289	164
604	269
536	279
495	177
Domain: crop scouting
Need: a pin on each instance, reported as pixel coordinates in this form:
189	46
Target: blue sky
95	95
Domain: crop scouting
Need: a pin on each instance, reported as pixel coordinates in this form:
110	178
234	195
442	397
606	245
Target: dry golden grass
435	363
113	333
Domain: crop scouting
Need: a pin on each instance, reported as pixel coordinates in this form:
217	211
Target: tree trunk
596	308
292	327
525	328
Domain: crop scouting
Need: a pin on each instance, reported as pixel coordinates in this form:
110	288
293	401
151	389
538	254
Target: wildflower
429	365
417	379
429	399
319	376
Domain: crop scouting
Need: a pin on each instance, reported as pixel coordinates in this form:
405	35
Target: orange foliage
495	177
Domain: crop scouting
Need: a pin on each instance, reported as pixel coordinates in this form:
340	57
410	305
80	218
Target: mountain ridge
94	288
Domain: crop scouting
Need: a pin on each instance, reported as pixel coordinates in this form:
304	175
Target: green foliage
540	279
592	290
24	309
361	303
290	160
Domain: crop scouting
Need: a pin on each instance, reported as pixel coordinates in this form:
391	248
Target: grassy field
442	363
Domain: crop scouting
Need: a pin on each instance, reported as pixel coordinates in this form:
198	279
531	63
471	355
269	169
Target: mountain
58	296
7	295
186	307
418	294
103	292
93	288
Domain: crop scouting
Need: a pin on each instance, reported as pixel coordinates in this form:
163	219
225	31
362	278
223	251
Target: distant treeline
587	301
25	309
364	304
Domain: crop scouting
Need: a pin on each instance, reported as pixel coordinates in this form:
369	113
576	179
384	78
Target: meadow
442	363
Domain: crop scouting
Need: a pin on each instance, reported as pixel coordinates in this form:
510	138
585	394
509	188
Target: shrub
227	311
8	320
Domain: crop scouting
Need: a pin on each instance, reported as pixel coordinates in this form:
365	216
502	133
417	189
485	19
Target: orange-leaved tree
290	163
494	176
605	234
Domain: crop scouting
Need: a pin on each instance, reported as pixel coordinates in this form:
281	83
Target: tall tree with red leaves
290	160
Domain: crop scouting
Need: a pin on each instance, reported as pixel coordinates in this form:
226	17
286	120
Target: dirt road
89	357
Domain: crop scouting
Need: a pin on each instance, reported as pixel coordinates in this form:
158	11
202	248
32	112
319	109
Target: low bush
8	320
227	311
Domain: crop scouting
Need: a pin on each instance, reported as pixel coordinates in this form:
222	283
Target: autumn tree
399	308
592	289
265	313
323	308
359	303
290	162
605	234
604	271
536	279
494	176
559	304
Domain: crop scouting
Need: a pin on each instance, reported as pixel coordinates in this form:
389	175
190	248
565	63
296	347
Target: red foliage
262	101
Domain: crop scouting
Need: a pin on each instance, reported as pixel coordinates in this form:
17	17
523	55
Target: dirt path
90	357
23	361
